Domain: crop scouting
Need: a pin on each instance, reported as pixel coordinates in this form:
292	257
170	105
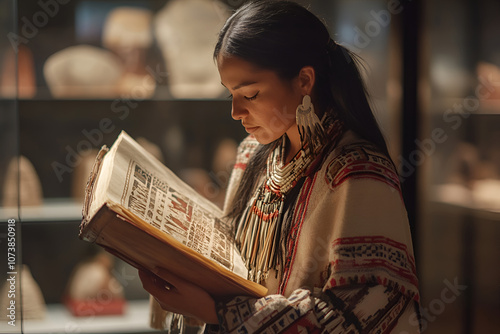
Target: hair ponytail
349	96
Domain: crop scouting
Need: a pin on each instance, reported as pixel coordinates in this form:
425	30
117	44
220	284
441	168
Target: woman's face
264	103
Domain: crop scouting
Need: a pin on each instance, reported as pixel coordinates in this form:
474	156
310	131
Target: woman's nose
238	112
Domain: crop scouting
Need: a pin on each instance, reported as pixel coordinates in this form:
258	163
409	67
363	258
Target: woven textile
349	265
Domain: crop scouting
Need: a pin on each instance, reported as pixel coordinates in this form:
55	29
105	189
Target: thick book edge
91	182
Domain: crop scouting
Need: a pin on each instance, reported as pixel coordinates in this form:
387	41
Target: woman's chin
265	139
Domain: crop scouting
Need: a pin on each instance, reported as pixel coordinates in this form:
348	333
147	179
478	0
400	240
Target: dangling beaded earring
311	130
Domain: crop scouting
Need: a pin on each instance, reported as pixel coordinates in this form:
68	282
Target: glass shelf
458	106
59	320
455	198
52	210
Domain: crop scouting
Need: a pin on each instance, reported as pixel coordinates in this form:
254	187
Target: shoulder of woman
246	149
354	158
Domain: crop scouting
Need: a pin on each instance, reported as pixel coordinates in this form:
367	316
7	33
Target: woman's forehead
238	72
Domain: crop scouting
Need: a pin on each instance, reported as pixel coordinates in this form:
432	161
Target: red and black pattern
361	160
337	310
383	257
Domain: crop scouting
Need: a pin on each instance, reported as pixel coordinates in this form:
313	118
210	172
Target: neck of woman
293	143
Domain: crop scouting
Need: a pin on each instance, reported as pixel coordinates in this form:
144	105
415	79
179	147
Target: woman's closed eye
251	98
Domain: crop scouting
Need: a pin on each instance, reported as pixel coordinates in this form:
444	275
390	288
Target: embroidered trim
245	150
298	219
375	254
361	160
334	311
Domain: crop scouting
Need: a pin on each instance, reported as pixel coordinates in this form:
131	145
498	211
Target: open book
140	211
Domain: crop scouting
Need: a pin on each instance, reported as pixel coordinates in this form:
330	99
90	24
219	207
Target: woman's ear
307	78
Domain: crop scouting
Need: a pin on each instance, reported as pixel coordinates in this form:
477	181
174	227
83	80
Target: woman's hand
179	296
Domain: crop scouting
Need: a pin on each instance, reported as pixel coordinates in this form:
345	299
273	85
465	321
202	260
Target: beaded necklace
259	231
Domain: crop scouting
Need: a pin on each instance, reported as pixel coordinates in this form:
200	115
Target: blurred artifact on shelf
489	77
473	181
213	184
127	33
24	75
186	31
22	185
81	174
93	290
83	71
28	297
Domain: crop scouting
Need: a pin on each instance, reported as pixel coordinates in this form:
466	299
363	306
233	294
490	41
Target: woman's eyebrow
243	84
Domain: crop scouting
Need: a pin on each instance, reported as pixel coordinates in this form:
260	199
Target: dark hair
283	36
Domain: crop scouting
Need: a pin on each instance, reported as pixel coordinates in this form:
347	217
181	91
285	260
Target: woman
314	178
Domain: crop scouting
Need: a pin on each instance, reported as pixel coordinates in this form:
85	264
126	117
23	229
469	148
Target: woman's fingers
177	295
153	284
158	288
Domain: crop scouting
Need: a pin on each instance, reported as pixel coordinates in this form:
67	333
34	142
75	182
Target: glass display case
87	70
76	73
460	183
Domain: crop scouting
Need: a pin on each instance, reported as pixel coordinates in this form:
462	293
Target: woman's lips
251	129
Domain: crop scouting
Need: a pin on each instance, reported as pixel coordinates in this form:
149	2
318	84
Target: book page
167	209
154	193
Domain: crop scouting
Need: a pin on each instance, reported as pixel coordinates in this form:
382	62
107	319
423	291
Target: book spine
91	182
